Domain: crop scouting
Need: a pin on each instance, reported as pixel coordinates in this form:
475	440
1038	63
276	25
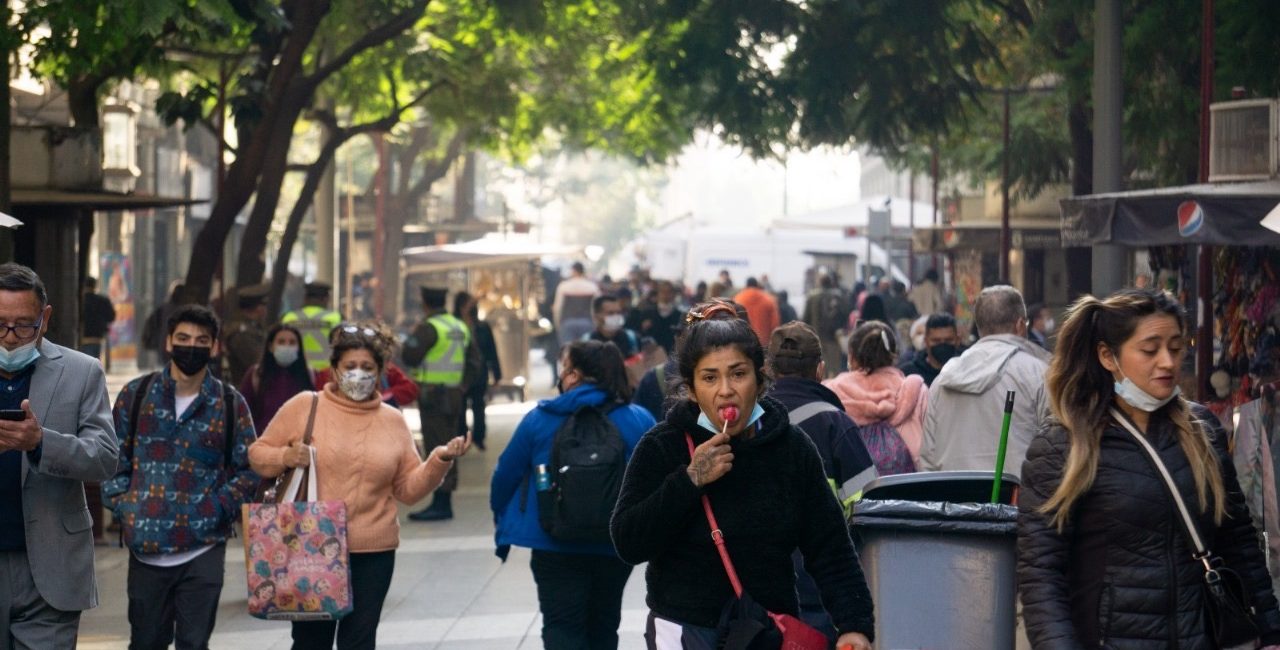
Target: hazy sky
722	185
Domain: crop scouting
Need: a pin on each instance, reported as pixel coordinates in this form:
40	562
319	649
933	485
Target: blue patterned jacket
173	491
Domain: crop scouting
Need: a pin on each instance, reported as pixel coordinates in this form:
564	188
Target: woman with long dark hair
280	374
579	583
767	488
1104	556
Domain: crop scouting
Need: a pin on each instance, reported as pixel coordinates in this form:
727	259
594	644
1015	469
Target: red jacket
396	386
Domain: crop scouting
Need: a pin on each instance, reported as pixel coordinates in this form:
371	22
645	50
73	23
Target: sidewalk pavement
449	591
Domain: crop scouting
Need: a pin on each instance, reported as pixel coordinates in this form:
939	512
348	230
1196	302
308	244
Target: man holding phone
55	433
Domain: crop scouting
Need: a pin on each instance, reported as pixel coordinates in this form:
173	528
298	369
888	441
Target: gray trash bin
939	559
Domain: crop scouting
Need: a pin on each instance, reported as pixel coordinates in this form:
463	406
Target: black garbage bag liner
935	516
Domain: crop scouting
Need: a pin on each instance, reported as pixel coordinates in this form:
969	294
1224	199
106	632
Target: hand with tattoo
711	460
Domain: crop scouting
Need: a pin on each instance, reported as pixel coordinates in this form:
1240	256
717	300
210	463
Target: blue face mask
756	413
1141	399
19	358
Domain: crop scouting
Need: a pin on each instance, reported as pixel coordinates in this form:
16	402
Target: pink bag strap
716	535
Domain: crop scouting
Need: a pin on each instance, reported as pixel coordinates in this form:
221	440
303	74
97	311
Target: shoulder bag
1227	607
297	563
744	623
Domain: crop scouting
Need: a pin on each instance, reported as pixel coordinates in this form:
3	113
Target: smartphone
15	415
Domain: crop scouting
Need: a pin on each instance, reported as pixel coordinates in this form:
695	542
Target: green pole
1004	443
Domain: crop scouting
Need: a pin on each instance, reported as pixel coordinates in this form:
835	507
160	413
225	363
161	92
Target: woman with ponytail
1104	559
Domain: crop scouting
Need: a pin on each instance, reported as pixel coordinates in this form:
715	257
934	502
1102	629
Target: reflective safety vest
314	323
446	360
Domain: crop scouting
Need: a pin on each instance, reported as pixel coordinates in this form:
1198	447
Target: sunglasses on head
355	330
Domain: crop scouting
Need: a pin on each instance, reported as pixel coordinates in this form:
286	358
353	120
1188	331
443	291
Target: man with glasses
184	473
55	434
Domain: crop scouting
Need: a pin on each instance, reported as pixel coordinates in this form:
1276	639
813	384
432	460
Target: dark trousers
475	399
580	596
175	603
440	408
370	580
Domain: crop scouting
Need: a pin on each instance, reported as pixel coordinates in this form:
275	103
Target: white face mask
1049	325
1141	399
285	355
357	384
614	322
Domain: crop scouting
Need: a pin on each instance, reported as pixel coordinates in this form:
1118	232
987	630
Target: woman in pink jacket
887	405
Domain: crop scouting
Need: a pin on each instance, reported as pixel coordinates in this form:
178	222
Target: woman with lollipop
764	484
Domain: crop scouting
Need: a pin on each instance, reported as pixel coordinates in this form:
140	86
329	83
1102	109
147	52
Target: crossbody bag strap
716	535
1202	553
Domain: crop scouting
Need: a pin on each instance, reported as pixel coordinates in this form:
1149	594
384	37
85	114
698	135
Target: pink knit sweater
885	395
365	457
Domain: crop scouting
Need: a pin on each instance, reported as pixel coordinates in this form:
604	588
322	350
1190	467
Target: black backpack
588	459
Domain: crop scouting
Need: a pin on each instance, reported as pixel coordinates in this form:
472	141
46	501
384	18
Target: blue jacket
530	446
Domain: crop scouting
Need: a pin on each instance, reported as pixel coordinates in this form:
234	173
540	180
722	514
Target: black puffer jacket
1121	574
774	500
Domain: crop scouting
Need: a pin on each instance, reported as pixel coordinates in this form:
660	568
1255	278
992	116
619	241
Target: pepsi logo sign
1190	218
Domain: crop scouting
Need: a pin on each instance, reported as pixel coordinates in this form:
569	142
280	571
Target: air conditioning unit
1244	140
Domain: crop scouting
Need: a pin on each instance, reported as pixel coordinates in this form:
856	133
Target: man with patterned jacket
183	473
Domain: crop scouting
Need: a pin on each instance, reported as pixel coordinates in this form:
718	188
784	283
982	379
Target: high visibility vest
446	360
314	323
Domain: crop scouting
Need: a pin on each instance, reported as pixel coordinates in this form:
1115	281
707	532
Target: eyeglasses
23	332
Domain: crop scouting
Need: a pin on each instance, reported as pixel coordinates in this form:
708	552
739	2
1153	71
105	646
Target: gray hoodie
966	405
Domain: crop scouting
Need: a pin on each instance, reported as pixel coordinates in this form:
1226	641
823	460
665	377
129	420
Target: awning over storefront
985	236
97	200
1212	213
475	254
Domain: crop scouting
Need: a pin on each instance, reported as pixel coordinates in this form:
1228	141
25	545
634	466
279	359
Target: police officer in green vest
438	352
314	320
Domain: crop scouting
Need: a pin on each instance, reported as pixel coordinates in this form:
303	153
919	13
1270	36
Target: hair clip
884	338
707	312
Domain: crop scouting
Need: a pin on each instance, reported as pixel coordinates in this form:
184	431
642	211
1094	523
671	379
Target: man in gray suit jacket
55	433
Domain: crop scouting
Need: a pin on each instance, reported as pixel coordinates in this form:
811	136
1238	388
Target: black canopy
1212	213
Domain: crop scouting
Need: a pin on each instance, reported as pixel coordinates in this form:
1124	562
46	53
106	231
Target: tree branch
436	169
372	38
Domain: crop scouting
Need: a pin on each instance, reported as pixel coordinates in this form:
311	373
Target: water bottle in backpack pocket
588	459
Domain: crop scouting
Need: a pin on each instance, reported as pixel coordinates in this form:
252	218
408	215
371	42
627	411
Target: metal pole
379	215
1109	260
911	217
1004	197
933	169
1204	272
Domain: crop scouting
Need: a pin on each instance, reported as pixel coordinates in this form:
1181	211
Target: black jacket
774	500
919	365
844	458
1121	574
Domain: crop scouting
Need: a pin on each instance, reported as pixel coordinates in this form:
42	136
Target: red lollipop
729	414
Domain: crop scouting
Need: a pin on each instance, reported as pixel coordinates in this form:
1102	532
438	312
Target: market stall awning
985	236
1211	213
475	254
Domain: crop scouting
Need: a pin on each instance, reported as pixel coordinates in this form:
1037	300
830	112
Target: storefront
1237	226
1037	264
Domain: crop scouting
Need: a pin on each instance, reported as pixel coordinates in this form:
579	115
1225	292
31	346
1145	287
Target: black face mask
191	359
943	352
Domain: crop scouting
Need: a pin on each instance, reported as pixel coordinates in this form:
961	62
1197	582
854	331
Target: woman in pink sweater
365	457
874	392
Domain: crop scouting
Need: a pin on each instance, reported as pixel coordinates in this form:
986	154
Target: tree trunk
253	242
398	213
1081	131
82	102
280	269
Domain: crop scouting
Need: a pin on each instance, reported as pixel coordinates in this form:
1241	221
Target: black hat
253	295
317	289
434	296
